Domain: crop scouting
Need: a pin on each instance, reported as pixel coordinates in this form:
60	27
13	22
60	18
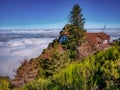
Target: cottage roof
97	37
102	35
62	36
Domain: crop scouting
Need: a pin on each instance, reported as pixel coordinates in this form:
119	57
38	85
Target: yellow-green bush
4	83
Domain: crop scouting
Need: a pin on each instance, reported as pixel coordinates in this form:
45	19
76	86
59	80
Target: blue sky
35	14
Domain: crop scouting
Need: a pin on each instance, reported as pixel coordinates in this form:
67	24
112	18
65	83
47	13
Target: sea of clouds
17	45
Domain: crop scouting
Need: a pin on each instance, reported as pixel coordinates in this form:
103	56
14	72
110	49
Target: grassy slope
100	71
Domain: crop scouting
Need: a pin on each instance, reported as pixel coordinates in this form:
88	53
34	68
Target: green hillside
96	72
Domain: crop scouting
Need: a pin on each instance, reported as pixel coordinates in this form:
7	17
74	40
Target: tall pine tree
76	17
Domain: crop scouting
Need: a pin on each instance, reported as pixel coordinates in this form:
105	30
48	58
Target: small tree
76	18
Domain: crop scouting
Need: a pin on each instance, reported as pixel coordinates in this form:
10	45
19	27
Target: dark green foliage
54	63
116	42
76	18
75	36
75	31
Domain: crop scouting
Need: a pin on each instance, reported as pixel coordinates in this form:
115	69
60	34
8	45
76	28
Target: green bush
39	84
4	83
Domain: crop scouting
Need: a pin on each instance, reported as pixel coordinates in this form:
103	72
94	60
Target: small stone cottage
98	38
93	43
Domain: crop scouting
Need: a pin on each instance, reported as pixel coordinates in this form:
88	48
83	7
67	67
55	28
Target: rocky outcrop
85	50
25	73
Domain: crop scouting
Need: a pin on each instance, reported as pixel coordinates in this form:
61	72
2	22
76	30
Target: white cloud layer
17	45
16	50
